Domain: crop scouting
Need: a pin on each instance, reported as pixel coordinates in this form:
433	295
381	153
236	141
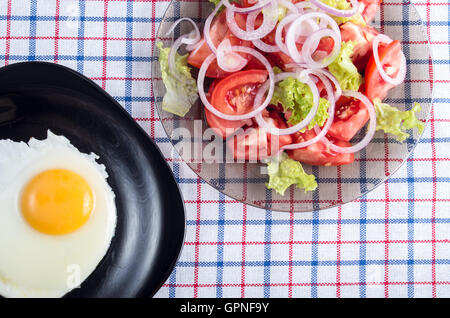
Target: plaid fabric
395	242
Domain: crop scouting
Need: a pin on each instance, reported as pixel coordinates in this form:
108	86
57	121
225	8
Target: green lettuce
394	121
344	70
297	98
181	91
285	172
344	5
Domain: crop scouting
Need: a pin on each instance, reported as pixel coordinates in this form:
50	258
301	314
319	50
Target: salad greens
286	172
344	70
181	91
344	5
394	121
297	98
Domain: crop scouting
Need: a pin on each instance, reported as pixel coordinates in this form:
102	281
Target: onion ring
402	71
211	108
371	130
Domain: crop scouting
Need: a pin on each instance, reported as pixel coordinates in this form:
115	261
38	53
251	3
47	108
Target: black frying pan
36	96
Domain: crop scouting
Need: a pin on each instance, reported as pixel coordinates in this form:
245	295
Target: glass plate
245	182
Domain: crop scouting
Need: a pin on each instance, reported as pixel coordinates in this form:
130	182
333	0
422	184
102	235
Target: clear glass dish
245	182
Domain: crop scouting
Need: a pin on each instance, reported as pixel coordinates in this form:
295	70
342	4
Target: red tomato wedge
318	154
350	116
363	36
233	95
255	143
370	8
219	31
390	57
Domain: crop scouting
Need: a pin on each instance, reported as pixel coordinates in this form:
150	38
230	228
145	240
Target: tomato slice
350	116
233	95
370	8
255	144
219	31
390	57
363	36
318	154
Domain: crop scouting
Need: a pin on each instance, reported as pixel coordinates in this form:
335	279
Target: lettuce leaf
344	5
181	93
286	172
394	121
297	98
344	70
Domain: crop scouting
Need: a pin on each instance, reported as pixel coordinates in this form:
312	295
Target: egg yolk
57	202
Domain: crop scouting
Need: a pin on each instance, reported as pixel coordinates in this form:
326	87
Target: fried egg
57	216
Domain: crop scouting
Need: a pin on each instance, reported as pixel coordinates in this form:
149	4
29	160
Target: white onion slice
288	5
292	33
336	12
171	58
305	122
370	131
259	5
279	32
402	71
211	108
333	79
194	35
228	60
312	43
269	23
207	27
251	18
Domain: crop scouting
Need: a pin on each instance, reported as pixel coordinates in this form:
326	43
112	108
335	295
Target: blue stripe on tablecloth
220	239
267	247
32	43
362	226
129	52
80	42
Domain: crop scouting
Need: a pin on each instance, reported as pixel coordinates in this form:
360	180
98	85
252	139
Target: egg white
33	264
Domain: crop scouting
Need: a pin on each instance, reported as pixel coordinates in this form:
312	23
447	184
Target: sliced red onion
336	12
312	43
171	58
228	60
370	131
193	47
269	23
305	122
259	5
288	5
402	71
207	27
279	32
194	35
326	127
333	79
293	31
301	6
211	108
251	18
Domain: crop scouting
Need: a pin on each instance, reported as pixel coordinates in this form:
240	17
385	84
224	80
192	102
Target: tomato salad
308	74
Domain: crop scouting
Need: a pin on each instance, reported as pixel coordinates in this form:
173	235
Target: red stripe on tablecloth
152	103
244	230
338	236
433	168
197	235
55	60
291	238
8	33
105	42
304	284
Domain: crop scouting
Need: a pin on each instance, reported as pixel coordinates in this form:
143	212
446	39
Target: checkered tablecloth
393	243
